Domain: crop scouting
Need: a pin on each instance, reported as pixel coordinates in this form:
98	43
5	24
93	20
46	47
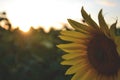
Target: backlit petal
103	25
80	27
88	19
113	30
75	34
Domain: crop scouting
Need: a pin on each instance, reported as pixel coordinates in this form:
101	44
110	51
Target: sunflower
92	51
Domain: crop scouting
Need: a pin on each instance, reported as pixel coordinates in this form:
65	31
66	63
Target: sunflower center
103	56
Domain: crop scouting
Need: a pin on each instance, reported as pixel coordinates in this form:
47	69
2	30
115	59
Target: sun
24	29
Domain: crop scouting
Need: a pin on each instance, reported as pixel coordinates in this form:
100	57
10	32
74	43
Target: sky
47	13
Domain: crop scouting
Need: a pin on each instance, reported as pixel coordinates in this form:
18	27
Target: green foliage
30	56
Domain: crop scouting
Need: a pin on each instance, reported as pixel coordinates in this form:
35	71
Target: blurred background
29	31
31	55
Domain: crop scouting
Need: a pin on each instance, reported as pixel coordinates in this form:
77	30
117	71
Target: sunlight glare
46	18
24	29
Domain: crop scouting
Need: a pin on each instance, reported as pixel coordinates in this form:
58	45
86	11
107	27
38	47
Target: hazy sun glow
50	13
43	14
25	29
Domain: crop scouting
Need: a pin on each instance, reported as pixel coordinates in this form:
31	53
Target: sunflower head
93	51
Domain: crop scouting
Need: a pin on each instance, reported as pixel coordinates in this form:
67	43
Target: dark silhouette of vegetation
4	21
30	56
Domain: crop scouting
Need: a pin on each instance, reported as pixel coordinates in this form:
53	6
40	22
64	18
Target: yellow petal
76	34
113	30
72	46
89	75
88	19
77	76
75	51
117	40
73	55
78	67
80	27
118	50
72	39
103	25
73	61
80	73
